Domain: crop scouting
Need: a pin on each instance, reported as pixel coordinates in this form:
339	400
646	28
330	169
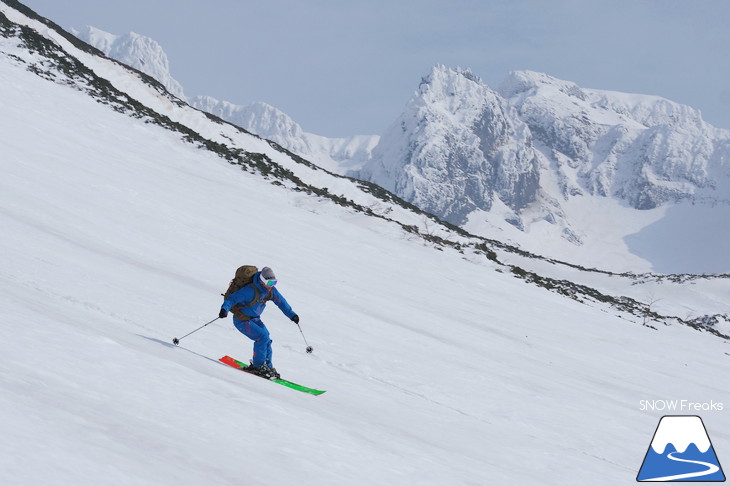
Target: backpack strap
238	308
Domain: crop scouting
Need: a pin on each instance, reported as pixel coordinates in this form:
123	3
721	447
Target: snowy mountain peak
137	51
456	147
536	146
258	117
529	82
445	76
647	110
334	154
645	150
98	38
458	91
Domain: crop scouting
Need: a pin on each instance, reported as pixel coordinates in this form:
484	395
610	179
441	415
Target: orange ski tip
229	361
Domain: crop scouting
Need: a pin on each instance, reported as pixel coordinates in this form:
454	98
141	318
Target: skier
247	304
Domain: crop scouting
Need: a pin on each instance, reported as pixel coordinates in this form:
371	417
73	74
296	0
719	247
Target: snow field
117	237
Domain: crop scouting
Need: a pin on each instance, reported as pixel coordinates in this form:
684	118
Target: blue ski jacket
250	300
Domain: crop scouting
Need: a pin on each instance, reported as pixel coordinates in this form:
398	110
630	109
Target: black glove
295	319
223	314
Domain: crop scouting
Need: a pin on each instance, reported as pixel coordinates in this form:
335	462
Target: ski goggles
269	282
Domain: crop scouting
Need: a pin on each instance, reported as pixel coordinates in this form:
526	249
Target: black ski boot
264	371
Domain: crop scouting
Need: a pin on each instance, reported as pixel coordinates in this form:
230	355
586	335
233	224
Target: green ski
242	366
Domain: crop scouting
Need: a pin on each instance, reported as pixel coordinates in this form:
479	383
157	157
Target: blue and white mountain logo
681	451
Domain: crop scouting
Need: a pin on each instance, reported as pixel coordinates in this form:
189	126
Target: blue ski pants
255	330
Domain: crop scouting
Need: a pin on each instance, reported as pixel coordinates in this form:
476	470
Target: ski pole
176	341
309	348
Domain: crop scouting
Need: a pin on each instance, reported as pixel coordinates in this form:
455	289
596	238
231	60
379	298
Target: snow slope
440	367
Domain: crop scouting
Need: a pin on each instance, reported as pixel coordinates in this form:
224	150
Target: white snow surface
439	368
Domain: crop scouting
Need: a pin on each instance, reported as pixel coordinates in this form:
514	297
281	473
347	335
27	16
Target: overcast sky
341	67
